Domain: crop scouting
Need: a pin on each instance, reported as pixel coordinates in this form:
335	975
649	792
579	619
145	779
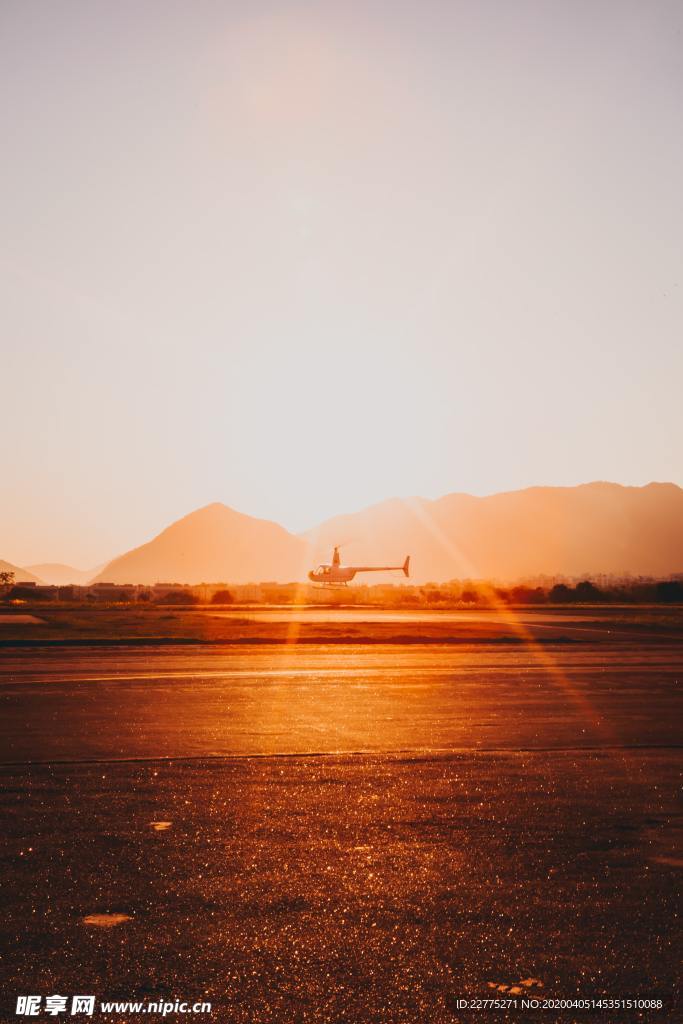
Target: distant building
113	592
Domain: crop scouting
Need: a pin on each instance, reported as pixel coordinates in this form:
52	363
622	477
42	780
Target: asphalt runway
88	704
345	833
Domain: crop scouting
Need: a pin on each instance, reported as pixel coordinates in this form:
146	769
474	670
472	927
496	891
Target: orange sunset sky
301	257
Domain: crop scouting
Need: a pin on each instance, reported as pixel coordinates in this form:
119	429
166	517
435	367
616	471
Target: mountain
565	531
20	575
590	529
213	544
58	575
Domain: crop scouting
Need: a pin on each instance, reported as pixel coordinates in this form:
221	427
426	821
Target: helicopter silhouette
334	574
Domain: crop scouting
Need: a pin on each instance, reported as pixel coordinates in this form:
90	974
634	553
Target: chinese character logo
83	1004
28	1006
55	1004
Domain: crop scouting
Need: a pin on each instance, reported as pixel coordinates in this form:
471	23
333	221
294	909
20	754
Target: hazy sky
299	257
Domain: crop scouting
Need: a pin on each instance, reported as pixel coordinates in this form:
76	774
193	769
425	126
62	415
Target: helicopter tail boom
382	568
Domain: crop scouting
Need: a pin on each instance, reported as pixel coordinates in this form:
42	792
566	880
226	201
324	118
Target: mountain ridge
592	528
230	546
20	575
59	574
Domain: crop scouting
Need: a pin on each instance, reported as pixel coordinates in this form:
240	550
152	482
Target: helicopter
338	575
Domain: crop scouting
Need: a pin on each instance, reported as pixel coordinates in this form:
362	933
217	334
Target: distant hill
215	543
20	575
568	531
56	574
572	531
